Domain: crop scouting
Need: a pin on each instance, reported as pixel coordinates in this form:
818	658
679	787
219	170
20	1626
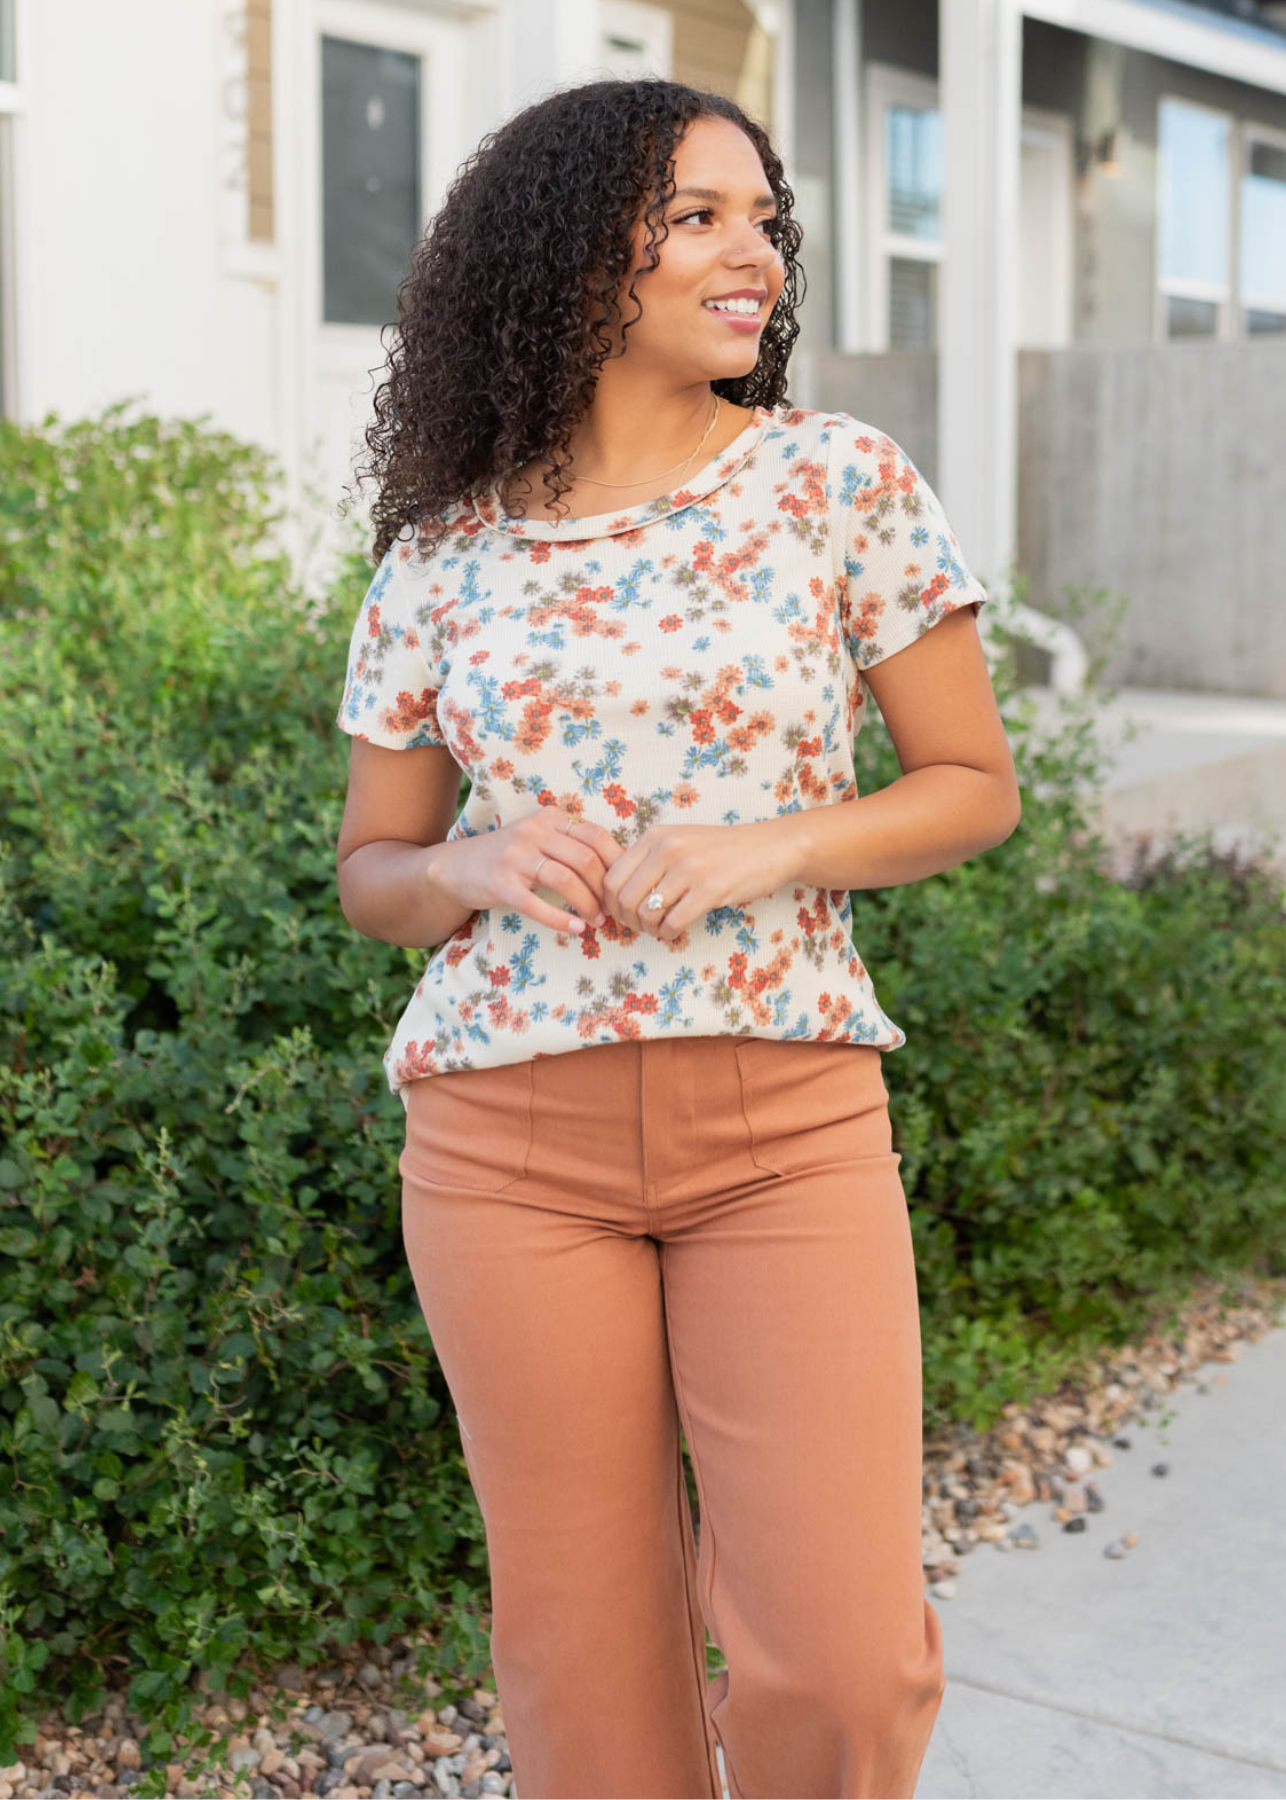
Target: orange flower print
619	801
409	711
697	657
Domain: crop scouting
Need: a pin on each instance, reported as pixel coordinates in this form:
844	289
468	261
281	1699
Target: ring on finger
654	915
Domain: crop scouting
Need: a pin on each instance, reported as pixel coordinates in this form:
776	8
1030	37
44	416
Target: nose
758	253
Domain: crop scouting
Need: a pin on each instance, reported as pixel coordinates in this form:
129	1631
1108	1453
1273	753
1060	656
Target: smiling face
718	244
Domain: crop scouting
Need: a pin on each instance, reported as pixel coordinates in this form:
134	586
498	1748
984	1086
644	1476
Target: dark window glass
1265	324
913	304
1191	318
370	178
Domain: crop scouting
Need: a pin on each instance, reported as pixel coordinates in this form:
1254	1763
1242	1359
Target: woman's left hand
696	867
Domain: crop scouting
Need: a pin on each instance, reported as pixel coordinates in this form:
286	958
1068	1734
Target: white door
1045	231
389	121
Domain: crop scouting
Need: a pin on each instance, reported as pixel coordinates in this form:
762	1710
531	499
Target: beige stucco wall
719	44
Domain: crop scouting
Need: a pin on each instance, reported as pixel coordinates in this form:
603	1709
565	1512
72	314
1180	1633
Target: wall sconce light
1104	154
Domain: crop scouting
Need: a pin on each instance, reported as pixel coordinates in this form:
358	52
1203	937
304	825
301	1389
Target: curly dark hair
500	330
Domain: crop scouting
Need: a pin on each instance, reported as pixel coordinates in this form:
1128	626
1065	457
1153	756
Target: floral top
695	658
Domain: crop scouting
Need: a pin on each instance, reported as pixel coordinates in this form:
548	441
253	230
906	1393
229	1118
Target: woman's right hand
496	868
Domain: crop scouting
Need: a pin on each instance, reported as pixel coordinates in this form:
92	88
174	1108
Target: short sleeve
898	562
392	686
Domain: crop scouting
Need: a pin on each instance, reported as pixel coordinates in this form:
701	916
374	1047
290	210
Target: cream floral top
695	658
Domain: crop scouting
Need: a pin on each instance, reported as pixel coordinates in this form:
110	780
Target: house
1056	272
208	204
1045	249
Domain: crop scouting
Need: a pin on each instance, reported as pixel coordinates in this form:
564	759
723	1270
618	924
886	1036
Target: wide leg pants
708	1232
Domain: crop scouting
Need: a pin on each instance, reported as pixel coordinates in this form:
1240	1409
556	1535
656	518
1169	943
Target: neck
630	435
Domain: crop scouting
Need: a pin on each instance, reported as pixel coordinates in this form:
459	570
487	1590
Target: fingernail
601	919
577	924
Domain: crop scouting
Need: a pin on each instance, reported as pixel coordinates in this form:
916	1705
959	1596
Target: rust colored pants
708	1232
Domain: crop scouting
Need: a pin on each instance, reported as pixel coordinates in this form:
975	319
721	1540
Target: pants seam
706	1607
707	1730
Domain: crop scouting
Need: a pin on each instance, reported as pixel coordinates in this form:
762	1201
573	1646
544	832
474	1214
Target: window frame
436	41
1252	132
884	85
1168	287
887	85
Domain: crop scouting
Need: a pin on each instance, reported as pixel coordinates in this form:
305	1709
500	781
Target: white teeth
747	307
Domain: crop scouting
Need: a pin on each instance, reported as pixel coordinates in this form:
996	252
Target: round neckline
708	477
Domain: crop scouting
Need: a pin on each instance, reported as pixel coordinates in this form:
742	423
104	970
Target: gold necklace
645	478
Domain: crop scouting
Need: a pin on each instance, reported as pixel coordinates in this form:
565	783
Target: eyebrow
704	193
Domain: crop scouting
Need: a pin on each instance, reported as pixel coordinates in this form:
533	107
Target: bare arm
958	793
399	807
402	881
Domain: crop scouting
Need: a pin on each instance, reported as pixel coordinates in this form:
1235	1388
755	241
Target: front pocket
470	1128
809	1102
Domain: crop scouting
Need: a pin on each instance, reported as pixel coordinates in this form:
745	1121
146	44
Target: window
1221	225
902	201
913	224
1195	220
1261	276
371	159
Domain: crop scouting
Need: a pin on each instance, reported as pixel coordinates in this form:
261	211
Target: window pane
1191	318
1194	195
370	178
913	304
1265	324
913	158
1263	228
8	66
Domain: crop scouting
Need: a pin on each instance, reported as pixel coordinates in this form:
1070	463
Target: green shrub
1091	1103
222	1424
225	1440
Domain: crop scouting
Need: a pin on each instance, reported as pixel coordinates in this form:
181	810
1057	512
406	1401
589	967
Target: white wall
128	292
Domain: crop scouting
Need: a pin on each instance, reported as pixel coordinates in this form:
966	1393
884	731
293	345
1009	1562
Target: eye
705	212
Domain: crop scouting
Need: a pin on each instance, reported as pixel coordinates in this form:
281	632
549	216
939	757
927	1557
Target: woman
648	1179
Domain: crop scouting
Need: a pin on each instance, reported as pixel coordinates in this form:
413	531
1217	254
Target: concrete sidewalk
1163	1673
1185	761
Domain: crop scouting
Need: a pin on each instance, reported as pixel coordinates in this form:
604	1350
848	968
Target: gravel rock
349	1730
